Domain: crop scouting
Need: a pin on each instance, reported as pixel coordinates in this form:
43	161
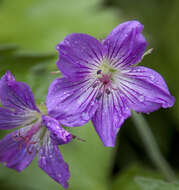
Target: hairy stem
151	146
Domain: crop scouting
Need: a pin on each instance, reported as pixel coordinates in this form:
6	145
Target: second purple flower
39	133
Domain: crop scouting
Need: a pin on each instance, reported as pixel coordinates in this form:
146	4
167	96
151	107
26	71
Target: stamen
108	91
95	84
28	146
99	72
25	141
98	96
17	137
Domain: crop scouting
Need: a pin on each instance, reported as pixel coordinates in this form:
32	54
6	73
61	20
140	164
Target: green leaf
154	184
125	179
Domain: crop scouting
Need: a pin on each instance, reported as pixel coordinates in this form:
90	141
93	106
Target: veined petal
58	134
79	54
51	161
72	103
10	119
145	89
14	150
125	44
16	95
109	117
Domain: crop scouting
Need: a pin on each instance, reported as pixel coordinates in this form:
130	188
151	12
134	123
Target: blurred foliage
153	184
29	33
38	25
125	179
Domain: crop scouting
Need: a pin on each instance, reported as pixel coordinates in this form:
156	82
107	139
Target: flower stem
151	146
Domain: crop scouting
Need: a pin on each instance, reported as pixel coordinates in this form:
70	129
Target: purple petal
125	44
10	119
109	117
14	150
16	95
58	134
72	103
145	89
79	53
51	161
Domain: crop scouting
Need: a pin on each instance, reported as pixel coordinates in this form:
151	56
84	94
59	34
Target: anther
98	96
95	84
99	72
107	91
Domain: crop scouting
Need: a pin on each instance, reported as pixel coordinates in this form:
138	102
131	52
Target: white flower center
105	81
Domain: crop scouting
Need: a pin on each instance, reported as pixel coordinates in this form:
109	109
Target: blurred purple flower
102	82
39	133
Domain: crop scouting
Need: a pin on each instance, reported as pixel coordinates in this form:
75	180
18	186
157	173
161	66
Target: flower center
106	68
105	78
106	72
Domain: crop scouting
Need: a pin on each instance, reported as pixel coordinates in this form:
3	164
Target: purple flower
40	133
102	82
